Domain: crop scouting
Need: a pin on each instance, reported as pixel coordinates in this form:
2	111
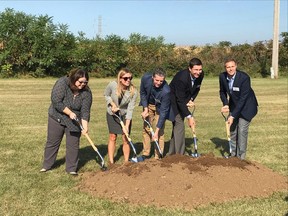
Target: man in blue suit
155	100
185	87
242	105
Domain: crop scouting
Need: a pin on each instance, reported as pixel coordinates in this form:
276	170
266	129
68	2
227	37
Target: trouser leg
161	139
177	142
55	134
243	126
72	150
233	137
146	140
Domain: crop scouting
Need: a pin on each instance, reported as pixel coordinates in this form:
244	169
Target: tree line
36	47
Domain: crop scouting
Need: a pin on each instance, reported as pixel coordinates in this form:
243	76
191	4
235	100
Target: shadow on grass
87	154
58	163
221	144
189	145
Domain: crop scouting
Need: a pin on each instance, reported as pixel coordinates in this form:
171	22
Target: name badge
236	89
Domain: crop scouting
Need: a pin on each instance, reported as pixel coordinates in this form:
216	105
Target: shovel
152	135
103	167
228	133
195	154
134	159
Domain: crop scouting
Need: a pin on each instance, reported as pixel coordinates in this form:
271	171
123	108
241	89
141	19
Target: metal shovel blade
227	156
137	159
103	168
195	155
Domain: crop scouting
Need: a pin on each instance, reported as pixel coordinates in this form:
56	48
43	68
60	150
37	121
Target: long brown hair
120	88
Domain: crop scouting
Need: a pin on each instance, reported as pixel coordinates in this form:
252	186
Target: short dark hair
229	59
159	71
194	61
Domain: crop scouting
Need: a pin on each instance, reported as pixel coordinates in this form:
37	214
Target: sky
190	22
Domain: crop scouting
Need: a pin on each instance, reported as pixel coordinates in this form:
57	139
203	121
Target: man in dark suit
242	105
155	99
185	87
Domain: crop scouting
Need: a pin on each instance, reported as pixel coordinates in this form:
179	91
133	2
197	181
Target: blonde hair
120	88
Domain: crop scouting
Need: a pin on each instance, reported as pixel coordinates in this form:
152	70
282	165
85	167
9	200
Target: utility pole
275	51
99	34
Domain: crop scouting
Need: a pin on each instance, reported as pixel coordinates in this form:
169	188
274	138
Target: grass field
25	191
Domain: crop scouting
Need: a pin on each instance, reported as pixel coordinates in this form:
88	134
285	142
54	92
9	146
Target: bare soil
180	181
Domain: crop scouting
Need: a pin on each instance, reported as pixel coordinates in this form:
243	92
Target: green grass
23	118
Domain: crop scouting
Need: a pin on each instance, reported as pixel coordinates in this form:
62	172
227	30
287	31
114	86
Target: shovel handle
125	131
150	127
225	115
192	109
227	130
193	130
91	142
123	126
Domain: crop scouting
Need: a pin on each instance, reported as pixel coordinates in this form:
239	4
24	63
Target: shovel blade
103	168
137	159
227	156
195	155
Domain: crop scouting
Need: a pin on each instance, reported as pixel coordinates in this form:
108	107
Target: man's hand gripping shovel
103	167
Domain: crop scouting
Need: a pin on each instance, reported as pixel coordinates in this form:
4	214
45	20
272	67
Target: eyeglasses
126	78
81	82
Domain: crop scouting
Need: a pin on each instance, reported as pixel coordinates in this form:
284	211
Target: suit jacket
162	98
182	91
242	100
127	103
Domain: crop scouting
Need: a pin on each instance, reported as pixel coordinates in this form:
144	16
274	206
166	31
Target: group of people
72	99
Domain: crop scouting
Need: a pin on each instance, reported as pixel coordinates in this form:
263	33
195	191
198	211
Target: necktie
230	84
192	81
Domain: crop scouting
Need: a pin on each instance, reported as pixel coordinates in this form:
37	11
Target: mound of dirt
180	181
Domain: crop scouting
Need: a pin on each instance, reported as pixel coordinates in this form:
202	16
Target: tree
283	53
13	30
34	45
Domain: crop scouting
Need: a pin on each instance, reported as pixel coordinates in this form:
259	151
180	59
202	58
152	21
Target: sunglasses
126	78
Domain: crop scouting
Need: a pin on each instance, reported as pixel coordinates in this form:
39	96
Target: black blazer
182	91
242	101
162	99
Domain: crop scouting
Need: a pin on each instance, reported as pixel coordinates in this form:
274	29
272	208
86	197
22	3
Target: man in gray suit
185	87
242	105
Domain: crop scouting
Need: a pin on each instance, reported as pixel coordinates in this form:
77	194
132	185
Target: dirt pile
183	182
